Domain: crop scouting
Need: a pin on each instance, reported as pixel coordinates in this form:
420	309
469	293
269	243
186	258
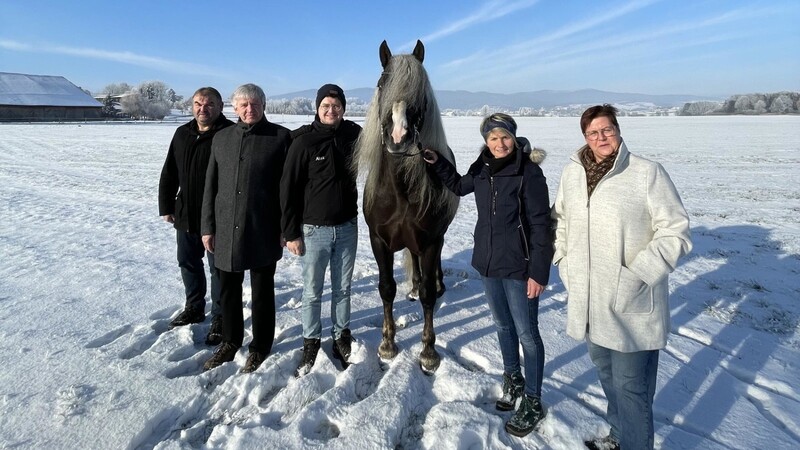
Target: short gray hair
249	90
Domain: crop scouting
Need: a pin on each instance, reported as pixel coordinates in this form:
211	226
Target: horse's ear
385	54
419	51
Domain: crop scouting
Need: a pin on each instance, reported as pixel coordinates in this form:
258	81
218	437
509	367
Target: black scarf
497	164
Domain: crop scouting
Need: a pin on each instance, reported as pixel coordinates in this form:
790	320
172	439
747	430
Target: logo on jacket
319	158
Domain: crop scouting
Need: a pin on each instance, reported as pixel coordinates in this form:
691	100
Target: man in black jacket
180	200
319	203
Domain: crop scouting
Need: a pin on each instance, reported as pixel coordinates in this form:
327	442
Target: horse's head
402	99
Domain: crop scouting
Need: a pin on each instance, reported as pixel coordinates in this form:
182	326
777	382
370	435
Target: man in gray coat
241	222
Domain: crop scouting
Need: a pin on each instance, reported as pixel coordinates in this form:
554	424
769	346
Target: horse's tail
408	264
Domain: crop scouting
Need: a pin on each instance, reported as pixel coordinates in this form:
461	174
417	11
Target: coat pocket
563	272
634	296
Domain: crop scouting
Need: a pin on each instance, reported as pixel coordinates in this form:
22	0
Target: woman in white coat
620	230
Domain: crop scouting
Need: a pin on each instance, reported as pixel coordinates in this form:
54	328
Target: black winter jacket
513	238
183	178
318	187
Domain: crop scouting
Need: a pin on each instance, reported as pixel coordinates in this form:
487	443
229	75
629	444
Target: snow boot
341	347
528	415
513	385
214	336
253	361
188	316
224	353
603	443
310	349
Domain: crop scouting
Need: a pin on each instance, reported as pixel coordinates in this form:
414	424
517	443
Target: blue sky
699	47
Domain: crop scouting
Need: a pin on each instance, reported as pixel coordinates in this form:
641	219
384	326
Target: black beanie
331	90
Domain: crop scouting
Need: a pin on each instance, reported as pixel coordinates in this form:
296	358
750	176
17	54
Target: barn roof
19	89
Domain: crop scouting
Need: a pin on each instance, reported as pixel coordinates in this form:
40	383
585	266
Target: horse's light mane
406	80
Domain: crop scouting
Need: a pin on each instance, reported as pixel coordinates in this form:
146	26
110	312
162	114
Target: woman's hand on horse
296	247
430	156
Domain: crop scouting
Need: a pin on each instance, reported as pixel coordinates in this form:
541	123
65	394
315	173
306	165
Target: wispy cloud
562	33
488	12
123	57
566	48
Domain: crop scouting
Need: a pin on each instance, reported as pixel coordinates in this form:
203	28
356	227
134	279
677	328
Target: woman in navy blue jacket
513	250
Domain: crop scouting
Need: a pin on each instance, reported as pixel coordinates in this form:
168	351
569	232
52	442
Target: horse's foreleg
439	273
429	359
413	272
387	288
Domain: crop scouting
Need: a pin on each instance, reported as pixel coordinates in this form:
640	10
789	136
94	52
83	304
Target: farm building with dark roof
44	98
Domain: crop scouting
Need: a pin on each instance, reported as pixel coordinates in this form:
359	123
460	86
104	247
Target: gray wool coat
241	202
615	250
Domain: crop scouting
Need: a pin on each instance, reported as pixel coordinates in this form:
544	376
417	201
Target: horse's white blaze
399	120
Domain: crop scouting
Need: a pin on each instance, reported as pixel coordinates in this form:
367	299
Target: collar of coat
622	156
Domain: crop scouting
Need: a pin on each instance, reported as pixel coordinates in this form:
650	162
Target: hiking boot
188	316
528	415
224	353
310	349
341	347
253	361
603	443
513	385
214	336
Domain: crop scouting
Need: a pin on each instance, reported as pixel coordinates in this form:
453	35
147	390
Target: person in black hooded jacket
513	250
319	201
180	201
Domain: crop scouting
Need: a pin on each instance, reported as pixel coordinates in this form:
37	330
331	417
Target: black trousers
262	283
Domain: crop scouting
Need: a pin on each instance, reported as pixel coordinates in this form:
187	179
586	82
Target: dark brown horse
404	207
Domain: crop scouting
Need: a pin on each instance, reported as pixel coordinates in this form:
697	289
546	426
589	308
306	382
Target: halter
415	127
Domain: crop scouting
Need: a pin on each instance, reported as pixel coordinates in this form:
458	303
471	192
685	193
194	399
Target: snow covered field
89	282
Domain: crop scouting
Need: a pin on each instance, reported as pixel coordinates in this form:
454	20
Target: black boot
310	349
513	385
188	316
603	443
341	347
528	415
214	336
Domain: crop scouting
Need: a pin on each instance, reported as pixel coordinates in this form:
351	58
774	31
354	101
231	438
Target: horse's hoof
429	363
387	351
428	370
413	295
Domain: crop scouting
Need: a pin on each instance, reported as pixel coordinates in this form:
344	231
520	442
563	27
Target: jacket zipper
519	217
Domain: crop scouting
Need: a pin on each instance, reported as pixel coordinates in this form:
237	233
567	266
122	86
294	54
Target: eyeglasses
595	135
327	107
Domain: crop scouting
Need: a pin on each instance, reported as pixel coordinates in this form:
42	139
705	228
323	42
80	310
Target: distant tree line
748	104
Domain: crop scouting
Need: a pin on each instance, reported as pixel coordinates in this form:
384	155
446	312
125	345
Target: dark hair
604	110
209	91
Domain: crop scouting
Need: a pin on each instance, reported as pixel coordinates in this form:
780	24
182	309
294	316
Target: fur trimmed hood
535	154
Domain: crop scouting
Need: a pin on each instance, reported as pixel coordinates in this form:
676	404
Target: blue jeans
335	245
629	382
516	318
193	273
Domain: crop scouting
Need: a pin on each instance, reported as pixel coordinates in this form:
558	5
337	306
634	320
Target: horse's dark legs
428	358
387	288
415	275
439	273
